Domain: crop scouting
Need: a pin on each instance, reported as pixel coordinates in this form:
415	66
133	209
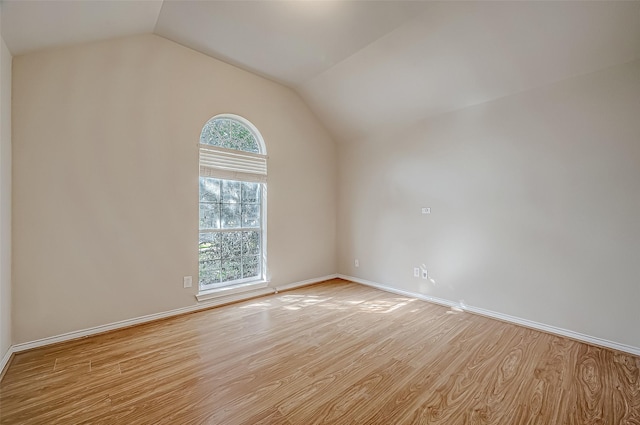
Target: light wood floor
333	353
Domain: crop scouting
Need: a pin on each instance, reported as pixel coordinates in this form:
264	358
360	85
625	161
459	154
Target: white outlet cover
426	210
357	263
416	272
187	281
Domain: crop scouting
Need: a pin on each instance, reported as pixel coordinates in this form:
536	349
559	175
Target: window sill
227	291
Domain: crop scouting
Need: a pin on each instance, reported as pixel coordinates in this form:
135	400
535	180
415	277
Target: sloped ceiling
363	67
28	26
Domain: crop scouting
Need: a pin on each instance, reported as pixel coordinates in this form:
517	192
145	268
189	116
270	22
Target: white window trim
264	275
226	291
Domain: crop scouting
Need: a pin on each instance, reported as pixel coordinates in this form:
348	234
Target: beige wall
105	180
535	205
534	196
5	200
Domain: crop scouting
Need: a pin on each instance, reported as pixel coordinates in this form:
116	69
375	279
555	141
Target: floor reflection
294	302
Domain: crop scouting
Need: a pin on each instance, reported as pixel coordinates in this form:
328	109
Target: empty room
319	212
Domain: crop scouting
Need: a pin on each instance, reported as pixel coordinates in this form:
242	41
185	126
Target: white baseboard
504	317
435	300
5	360
303	283
16	348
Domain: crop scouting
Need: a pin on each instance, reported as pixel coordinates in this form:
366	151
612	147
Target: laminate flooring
331	353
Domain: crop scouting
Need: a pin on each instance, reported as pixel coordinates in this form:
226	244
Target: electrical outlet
416	272
425	274
186	281
426	210
357	263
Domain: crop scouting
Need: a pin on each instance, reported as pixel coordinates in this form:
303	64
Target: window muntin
232	193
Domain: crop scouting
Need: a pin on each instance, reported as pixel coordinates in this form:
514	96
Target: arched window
233	178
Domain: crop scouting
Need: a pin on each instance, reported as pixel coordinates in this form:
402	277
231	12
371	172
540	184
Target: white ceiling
34	25
289	41
364	67
458	54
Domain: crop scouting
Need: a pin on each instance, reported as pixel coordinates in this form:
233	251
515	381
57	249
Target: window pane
230	134
248	143
250	266
235	142
250	193
210	272
209	135
210	246
230	216
209	190
242	138
221	132
250	215
250	243
231	269
230	192
231	244
209	216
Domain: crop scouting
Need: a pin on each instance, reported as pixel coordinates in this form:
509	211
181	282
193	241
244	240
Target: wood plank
336	352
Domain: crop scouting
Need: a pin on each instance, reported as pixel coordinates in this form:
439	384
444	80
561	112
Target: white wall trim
5	361
294	285
503	317
16	348
435	300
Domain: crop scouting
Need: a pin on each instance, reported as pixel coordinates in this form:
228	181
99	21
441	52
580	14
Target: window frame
249	283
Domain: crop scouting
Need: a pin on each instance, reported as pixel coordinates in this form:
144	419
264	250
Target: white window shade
232	164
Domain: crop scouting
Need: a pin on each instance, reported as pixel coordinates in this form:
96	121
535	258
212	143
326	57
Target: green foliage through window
229	133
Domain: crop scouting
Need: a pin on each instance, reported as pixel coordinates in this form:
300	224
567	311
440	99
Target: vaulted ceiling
363	66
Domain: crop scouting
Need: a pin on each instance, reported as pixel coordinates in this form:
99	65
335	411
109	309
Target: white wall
106	171
535	205
5	200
